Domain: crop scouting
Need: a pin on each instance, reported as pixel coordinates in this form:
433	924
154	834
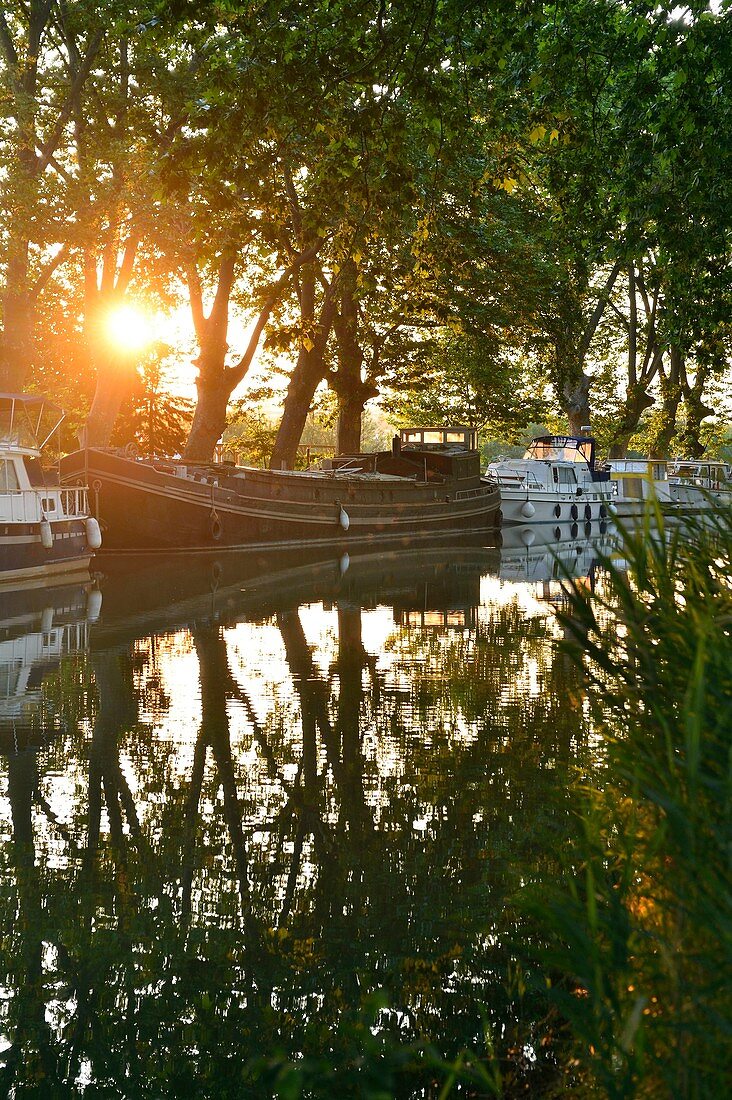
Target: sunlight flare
130	328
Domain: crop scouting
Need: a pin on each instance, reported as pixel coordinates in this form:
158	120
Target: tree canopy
504	212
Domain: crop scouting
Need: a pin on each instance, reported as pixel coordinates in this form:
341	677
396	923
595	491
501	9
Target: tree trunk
696	411
16	342
348	430
115	379
692	445
353	393
576	404
636	402
572	345
306	377
671	395
209	421
308	373
216	382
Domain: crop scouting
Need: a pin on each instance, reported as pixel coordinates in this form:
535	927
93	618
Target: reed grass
638	931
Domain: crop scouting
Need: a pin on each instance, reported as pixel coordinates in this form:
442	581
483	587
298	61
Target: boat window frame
561	448
5	465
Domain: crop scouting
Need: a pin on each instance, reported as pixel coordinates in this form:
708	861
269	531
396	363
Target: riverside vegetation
640	928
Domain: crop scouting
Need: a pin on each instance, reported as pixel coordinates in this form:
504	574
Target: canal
263	820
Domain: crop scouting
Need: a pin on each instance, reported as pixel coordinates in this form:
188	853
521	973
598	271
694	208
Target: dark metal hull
145	506
23	557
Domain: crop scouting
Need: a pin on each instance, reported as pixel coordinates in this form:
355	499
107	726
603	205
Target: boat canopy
28	421
562	448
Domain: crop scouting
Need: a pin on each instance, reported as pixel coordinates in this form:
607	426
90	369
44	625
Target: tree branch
238	372
48	148
48	271
598	311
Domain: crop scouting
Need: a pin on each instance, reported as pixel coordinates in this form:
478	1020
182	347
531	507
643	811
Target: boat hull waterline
145	506
553	509
24	557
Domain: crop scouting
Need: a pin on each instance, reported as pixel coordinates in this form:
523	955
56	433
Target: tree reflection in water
221	903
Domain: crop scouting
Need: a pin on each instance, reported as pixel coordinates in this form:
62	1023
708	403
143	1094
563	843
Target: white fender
528	536
46	534
46	619
93	605
344	563
93	533
344	519
527	509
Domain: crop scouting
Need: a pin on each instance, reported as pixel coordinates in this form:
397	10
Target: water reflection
257	791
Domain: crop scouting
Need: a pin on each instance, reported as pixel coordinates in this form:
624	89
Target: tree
637	177
44	81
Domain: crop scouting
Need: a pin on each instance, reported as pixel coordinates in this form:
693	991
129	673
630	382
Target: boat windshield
561	448
26	421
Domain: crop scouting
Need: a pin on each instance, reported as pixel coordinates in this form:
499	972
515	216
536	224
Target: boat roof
30	398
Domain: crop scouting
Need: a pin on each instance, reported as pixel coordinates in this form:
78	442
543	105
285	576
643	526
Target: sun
129	328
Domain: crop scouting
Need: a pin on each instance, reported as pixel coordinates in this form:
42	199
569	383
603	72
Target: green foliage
249	436
456	378
154	420
640	938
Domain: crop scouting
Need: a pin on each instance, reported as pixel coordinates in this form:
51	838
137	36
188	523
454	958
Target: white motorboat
46	529
681	487
556	482
694	485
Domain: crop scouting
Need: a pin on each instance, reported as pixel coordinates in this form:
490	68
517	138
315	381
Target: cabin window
8	477
567	475
34	470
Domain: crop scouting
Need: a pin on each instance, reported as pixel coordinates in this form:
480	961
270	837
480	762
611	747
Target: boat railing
53	502
74	501
522	479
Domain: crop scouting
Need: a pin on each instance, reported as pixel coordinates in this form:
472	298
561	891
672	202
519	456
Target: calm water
262	821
